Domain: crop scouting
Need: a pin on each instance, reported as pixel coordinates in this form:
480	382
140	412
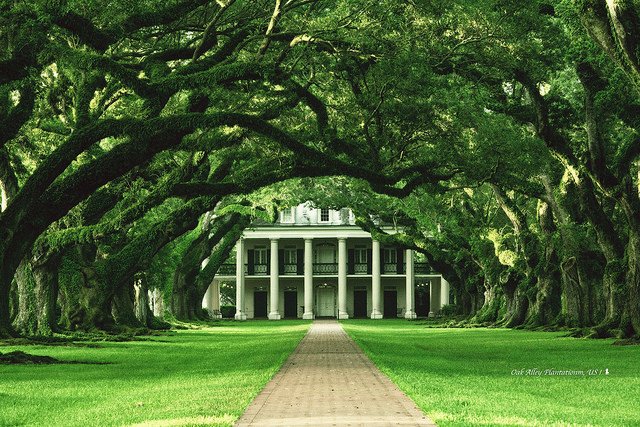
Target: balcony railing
325	268
260	269
290	269
389	268
229	269
360	268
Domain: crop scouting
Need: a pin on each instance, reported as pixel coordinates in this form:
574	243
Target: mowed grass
206	376
462	377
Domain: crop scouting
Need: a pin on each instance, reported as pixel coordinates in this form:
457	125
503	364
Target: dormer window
324	215
287	216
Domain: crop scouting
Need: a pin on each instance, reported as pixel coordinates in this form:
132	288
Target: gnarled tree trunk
94	303
632	308
545	308
517	302
141	301
26	321
201	261
122	307
45	275
493	291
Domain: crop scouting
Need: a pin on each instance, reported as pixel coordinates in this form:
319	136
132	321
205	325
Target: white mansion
318	263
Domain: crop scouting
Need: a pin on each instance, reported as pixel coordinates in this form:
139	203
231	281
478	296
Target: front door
326	302
290	304
360	303
422	301
390	304
260	304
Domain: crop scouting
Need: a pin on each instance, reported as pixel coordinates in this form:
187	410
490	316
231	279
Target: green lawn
193	377
469	376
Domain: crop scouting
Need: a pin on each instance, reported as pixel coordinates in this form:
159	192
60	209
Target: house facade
318	263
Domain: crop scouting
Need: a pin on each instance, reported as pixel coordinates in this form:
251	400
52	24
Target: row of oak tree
138	141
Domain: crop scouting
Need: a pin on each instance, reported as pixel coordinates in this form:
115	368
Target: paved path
328	380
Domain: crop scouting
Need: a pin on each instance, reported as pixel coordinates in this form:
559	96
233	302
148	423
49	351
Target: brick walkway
328	380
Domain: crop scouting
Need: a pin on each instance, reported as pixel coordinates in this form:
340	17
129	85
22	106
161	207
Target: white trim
311	232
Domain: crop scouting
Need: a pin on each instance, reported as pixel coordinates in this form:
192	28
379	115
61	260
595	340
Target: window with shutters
360	259
290	260
361	254
261	255
290	255
260	260
390	256
390	259
325	259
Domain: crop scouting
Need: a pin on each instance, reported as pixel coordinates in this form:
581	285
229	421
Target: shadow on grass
22	358
84	339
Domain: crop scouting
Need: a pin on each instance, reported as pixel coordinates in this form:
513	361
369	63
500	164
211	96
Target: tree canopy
138	139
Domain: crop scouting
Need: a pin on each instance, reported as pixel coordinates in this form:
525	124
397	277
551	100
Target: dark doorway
290	304
260	304
390	304
422	301
360	303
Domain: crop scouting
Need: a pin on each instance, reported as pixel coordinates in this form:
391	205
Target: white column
342	279
434	296
211	300
157	305
308	279
376	312
444	292
240	313
274	282
214	299
410	311
206	301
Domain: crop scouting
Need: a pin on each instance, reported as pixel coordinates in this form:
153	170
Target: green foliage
165	263
450	310
70	276
451	121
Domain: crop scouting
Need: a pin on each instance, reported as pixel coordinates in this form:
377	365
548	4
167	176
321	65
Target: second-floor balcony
290	269
392	268
360	268
258	269
325	268
322	268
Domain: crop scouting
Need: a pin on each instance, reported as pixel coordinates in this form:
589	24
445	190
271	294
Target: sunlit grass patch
204	376
505	377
